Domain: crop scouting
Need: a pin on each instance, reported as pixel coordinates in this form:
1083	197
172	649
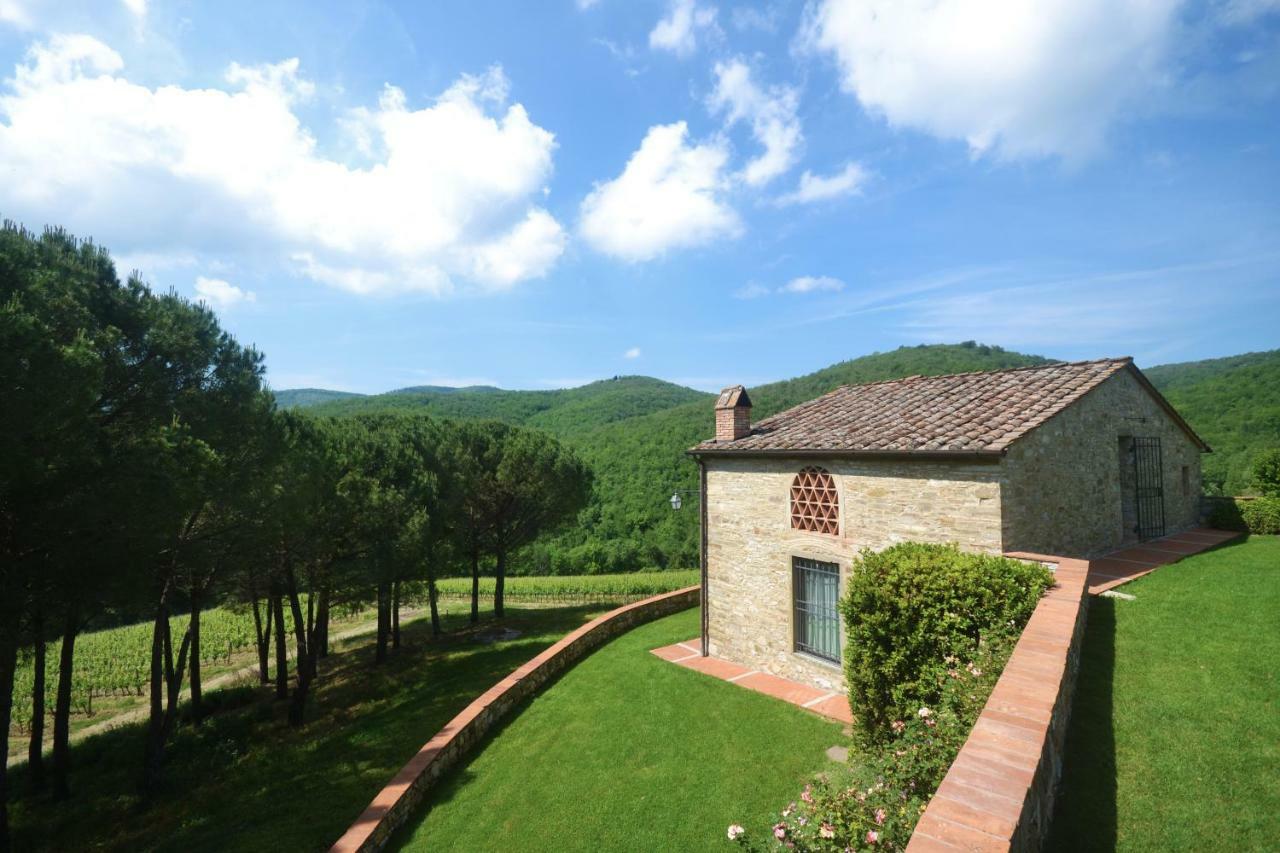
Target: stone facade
750	541
1066	488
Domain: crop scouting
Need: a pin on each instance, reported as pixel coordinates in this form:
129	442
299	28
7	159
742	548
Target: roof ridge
1121	359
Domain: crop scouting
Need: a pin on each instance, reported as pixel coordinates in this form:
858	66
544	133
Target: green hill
1234	403
564	411
301	398
633	431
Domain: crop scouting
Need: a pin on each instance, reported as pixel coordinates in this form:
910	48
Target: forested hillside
633	432
1234	403
300	398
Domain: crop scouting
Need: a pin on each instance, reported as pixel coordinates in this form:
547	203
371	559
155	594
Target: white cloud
222	295
137	7
1012	77
449	194
812	284
678	31
848	181
634	352
15	13
751	290
667	197
771	114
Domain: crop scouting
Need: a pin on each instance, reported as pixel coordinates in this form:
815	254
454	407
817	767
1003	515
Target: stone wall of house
750	541
1068	485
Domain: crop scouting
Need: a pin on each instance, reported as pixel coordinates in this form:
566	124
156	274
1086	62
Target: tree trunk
8	666
156	718
282	651
263	640
35	752
384	622
322	624
161	727
194	627
62	708
305	663
433	600
475	584
395	615
499	582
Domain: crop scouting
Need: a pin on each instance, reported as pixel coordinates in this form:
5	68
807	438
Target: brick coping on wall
395	803
999	792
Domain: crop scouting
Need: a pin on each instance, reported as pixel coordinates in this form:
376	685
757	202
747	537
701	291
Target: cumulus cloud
812	188
137	7
222	295
668	196
812	284
678	32
448	194
771	114
15	13
1010	77
634	352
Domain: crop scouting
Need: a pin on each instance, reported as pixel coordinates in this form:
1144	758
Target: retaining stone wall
999	792
397	801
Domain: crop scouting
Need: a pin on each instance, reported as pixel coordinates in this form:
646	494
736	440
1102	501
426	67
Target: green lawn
628	752
1174	741
246	781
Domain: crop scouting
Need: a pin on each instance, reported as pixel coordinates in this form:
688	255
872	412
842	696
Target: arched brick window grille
815	505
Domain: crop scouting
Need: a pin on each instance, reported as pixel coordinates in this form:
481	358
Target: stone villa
1065	459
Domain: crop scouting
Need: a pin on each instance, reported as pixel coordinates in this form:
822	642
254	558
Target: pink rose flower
872	836
735	831
827	830
925	713
805	795
779	830
880	817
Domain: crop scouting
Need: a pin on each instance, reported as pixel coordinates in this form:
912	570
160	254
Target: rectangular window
815	588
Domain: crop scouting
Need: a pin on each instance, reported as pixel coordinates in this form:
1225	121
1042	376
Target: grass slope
627	752
246	781
1234	403
1174	741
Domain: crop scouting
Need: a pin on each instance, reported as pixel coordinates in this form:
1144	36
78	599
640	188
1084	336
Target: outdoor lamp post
676	501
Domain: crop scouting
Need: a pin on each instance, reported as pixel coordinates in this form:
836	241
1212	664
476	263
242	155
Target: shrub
1266	473
912	608
875	802
929	629
1260	515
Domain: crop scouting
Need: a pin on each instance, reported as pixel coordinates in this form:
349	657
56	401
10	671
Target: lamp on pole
676	501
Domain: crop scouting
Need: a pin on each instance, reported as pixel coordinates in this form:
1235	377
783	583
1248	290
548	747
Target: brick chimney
733	414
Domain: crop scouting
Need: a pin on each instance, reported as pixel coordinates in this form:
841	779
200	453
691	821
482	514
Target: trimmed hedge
1260	515
912	611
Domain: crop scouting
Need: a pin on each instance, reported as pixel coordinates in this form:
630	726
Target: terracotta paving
1120	567
826	703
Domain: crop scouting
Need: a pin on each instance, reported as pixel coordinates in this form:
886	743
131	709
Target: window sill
827	662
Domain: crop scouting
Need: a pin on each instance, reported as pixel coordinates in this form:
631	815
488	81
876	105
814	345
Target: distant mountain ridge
633	431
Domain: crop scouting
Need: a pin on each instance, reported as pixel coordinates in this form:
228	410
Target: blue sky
541	194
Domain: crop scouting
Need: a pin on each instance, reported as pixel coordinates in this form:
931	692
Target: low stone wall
396	802
999	792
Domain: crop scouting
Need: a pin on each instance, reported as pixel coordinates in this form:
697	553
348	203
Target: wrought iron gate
1149	475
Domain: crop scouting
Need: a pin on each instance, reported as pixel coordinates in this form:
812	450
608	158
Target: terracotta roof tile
967	412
